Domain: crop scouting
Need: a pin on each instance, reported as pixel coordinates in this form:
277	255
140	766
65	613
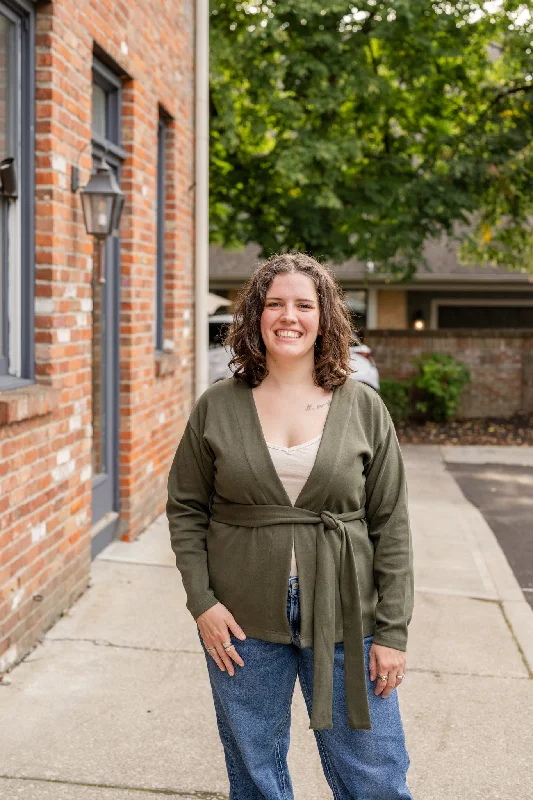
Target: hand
386	661
214	625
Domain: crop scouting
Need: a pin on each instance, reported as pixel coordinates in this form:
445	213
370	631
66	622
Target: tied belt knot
258	516
331	523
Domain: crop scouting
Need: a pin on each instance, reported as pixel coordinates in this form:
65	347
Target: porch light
102	201
418	321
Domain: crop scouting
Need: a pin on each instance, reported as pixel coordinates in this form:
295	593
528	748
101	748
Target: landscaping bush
441	381
395	395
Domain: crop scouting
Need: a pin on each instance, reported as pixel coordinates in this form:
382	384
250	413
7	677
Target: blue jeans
253	711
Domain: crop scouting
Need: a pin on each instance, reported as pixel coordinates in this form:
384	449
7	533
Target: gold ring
227	645
400	677
210	648
383	678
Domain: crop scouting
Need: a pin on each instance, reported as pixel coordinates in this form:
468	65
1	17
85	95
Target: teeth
287	335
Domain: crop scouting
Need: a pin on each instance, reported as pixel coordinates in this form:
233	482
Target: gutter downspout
201	260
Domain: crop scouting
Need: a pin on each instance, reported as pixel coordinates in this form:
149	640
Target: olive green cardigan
232	526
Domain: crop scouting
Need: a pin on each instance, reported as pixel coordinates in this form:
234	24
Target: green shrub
395	395
441	381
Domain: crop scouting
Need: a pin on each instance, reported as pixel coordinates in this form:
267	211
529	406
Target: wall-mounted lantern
419	322
8	178
102	201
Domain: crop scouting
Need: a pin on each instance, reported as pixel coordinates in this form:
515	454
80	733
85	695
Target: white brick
86	473
38	532
86	304
162	418
17	597
44	305
65	471
81	320
74	423
59	163
63	335
63	455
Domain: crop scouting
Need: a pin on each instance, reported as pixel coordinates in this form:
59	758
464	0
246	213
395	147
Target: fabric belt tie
257	516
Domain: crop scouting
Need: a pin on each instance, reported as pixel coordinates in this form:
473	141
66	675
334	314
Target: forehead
292	284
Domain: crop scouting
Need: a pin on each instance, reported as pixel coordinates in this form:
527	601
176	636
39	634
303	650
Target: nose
289	312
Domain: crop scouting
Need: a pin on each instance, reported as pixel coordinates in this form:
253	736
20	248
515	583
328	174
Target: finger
232	652
380	685
373	664
391	683
217	660
226	660
235	628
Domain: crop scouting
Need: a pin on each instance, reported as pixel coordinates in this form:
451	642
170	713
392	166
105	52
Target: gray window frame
160	231
22	13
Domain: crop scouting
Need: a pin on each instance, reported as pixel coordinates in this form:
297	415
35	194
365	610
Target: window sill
27	402
165	364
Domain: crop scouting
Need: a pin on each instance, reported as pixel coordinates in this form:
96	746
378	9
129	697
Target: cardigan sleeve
389	530
190	487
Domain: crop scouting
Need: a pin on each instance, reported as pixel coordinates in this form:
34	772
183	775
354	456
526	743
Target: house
449	296
95	343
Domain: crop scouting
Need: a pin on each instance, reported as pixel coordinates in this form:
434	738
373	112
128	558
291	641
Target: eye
306	305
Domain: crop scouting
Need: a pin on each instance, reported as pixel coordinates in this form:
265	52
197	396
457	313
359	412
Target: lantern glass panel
117	214
98	212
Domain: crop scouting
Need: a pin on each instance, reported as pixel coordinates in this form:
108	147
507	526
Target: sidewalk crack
106	643
190	795
517	643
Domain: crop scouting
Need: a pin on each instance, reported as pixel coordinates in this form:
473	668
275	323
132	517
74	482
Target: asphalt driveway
504	495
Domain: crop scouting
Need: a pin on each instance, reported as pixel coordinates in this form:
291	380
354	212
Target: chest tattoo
315	407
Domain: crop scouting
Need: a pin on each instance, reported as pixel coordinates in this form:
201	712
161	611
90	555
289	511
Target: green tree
363	129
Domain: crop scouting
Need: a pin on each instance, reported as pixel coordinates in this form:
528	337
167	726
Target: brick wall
46	432
500	364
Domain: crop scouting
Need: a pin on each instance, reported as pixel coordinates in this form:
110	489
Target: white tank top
293	465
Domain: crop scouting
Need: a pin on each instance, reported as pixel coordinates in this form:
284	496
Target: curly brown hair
332	354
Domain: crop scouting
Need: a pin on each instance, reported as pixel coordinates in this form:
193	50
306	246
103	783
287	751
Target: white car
362	359
363	362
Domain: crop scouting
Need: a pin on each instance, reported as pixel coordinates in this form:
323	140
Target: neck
290	374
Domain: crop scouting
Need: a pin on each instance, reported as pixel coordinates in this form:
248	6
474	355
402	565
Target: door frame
105	528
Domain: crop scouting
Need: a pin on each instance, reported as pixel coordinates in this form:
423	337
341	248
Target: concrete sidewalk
115	704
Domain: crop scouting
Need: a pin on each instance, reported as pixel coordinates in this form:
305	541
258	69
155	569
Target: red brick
37	421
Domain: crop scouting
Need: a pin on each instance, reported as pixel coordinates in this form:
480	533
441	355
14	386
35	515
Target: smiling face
291	316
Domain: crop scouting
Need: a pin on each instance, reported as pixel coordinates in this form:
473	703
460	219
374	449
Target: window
16	211
160	232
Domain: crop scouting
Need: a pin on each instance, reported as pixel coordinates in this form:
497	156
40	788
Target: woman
288	516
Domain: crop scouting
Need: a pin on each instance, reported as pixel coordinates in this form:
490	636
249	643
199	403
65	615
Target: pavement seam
457	673
135	563
105	643
515	639
120	787
465	595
